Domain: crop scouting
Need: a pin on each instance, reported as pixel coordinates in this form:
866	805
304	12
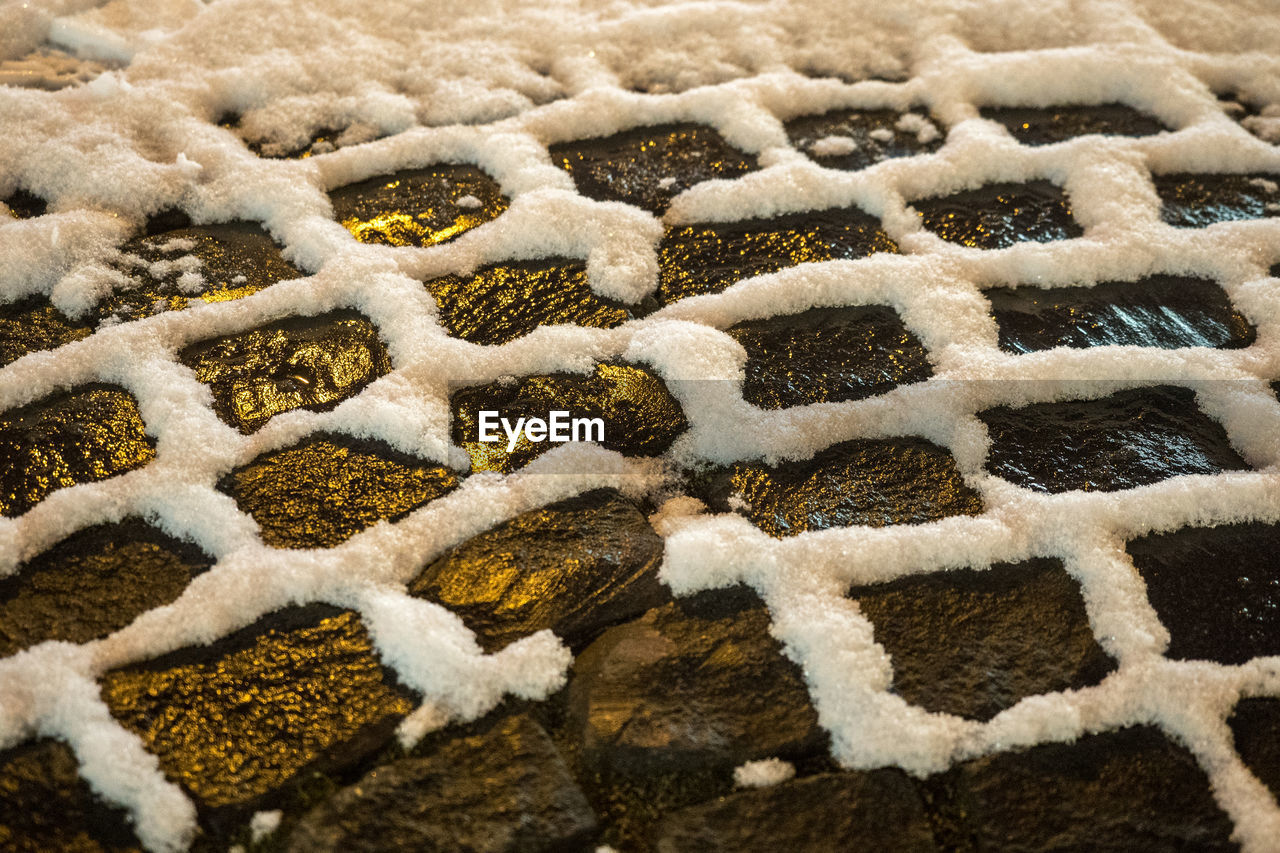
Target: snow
494	84
763	773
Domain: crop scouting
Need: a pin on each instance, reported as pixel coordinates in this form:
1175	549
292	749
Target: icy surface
492	85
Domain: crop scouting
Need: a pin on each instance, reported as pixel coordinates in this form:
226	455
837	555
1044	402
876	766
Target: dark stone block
874	482
695	684
858	126
32	325
1160	311
640	416
94	582
973	643
1130	438
997	216
309	363
1255	727
1129	791
1217	589
508	301
25	205
1194	201
826	355
418	207
504	791
1034	126
328	488
649	166
238	722
877	810
46	806
709	257
170	268
575	567
1249	113
80	436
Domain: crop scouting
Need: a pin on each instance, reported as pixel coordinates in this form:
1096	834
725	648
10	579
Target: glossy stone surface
697	683
873	482
80	436
1130	438
575	567
94	582
311	363
504	791
709	257
828	355
1130	791
503	302
1255	728
649	166
1216	589
1194	201
236	722
1033	126
418	207
25	205
327	488
869	137
973	643
641	418
32	325
1160	311
997	216
877	810
45	805
170	267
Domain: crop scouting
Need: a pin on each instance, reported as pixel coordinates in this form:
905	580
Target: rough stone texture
1000	215
418	207
504	791
1129	791
649	166
1130	438
576	567
1255	727
327	488
1217	589
695	684
94	582
858	127
708	257
24	205
80	436
32	325
879	810
871	482
1160	311
237	722
828	355
232	260
1194	201
309	363
507	301
45	805
973	643
1056	124
641	418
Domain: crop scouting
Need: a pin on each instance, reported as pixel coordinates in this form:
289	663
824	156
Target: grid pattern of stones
934	286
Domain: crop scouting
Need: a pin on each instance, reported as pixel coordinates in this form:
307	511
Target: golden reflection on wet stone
240	719
709	257
309	363
418	207
1194	201
507	301
874	482
997	216
32	325
82	436
25	205
641	418
328	488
